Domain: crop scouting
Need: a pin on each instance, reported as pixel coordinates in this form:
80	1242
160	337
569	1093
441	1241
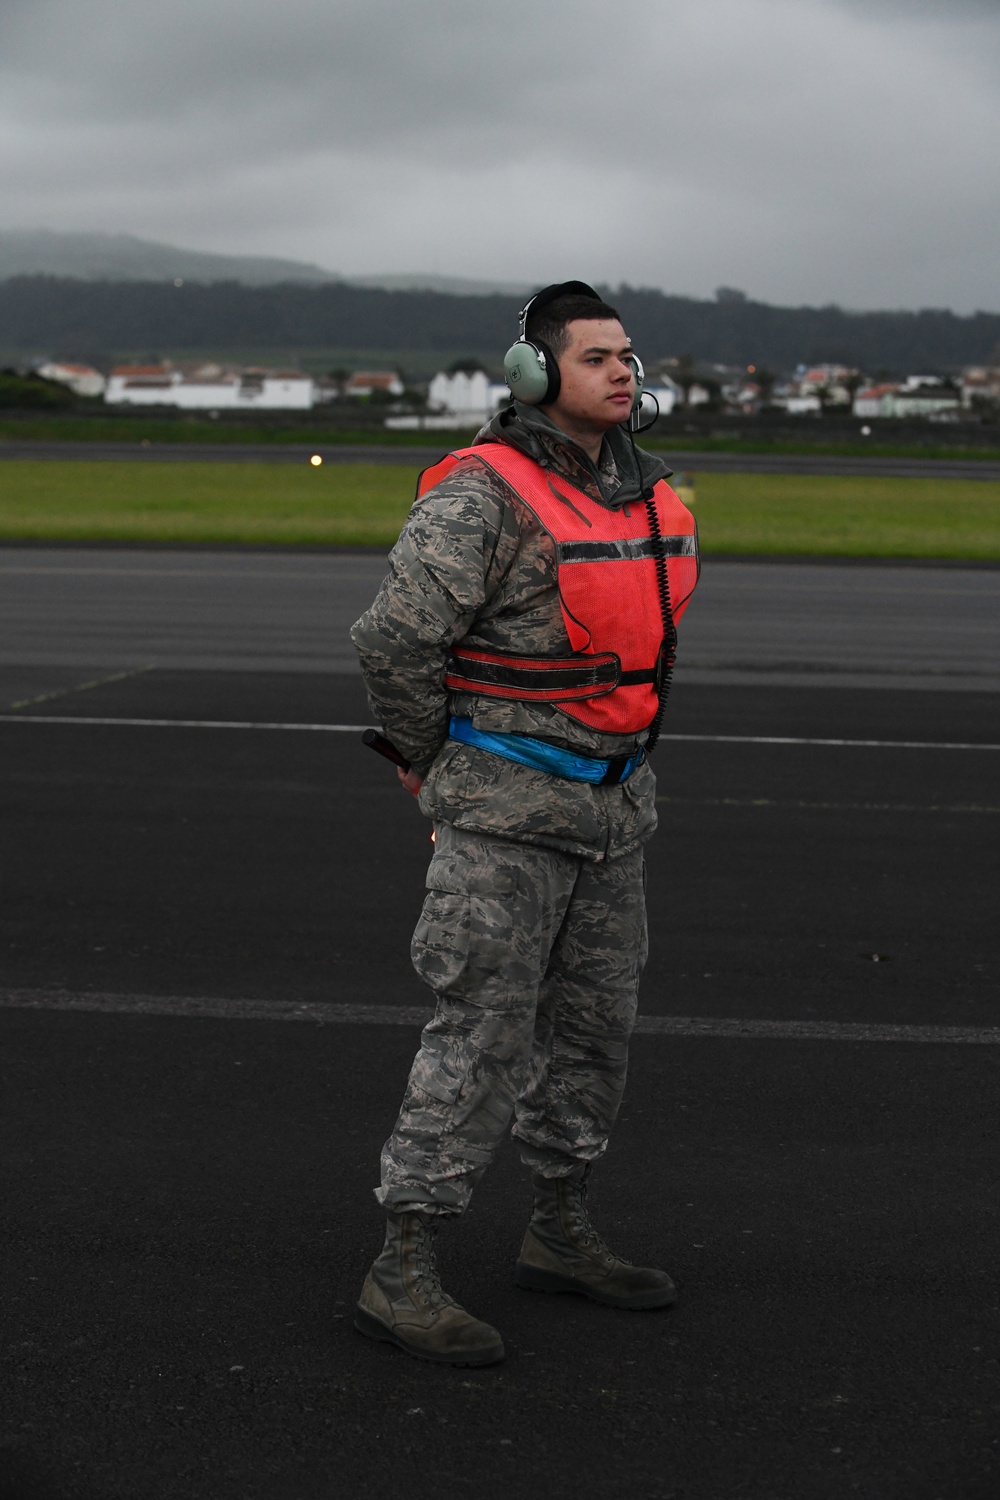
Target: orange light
751	369
315	460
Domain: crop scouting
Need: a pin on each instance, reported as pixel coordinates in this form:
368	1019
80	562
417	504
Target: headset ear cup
554	384
531	373
640	377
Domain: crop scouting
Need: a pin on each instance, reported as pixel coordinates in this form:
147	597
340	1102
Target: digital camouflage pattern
534	958
473	564
533	931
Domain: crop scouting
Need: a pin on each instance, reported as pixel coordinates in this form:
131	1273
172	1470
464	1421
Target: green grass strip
827	516
366	504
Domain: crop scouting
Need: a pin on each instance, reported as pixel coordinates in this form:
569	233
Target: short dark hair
548	326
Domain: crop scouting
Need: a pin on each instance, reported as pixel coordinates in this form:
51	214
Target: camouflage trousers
534	957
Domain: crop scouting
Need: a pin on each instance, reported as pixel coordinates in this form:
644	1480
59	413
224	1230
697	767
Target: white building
459	393
83	380
459	400
210	388
800	406
923	401
667	392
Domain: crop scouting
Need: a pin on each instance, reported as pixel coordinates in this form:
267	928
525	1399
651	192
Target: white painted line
815	1031
781	739
180	723
721	739
329	1014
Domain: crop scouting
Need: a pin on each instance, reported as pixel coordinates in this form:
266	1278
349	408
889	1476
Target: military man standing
518	655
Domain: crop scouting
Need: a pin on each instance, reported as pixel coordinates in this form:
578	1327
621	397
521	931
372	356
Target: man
517	655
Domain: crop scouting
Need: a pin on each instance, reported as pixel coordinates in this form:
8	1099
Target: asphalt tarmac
208	1014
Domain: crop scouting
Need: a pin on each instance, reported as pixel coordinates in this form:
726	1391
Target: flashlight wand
379	743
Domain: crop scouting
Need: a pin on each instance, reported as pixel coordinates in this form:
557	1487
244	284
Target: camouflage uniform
533	931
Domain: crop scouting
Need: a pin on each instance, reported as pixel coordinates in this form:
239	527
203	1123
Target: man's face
597	375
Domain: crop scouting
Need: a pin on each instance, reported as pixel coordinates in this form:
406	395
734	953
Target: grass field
365	505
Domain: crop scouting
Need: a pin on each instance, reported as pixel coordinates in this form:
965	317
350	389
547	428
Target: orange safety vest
608	590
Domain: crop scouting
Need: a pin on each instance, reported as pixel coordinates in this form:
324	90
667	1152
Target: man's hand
410	780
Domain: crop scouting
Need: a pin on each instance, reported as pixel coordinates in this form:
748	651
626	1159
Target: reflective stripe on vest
608	591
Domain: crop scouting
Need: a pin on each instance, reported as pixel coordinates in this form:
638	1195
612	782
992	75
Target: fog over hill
125	257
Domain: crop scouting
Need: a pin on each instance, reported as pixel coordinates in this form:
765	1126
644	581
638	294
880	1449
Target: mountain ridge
106	256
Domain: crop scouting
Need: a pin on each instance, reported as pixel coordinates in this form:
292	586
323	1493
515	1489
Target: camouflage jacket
473	564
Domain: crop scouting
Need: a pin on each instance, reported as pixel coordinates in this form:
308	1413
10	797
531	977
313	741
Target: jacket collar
619	476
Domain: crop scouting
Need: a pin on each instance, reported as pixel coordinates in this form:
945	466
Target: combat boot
402	1301
562	1252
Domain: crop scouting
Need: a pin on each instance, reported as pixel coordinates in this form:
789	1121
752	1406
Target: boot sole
532	1280
373	1329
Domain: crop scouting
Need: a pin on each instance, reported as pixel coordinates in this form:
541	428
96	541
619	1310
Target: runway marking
718	739
181	723
788	739
863	807
82	687
326	1013
53	570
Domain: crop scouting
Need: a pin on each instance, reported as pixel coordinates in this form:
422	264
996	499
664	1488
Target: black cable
668	646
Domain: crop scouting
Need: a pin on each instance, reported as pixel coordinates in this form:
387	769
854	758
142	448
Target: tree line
70	318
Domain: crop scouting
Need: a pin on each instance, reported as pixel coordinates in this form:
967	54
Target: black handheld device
378	742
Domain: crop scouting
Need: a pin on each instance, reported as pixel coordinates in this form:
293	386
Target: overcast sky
806	151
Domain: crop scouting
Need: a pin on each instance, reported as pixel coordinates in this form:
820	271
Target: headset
529	366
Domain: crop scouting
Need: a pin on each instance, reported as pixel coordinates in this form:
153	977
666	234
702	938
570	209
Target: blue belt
542	756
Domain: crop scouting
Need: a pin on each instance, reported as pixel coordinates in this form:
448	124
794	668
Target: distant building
698	394
472	396
129	384
326	389
917	396
831	384
667	392
819	377
800	406
83	380
874	401
367	382
210	388
741	397
789	396
980	386
934	401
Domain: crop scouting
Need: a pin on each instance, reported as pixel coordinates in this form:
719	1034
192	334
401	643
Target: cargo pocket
463	934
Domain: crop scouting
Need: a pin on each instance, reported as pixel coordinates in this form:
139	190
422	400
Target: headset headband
551	294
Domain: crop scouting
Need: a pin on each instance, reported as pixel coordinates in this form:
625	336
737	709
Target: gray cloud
808	150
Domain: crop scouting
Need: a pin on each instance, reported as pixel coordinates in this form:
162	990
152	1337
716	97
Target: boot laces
584	1232
427	1280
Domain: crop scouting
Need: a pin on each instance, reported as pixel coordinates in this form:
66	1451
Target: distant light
866	432
315	460
751	369
178	281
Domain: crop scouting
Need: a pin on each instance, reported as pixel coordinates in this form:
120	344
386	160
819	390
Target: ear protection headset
529	366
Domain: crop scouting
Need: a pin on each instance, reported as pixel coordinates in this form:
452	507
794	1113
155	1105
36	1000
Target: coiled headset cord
668	646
